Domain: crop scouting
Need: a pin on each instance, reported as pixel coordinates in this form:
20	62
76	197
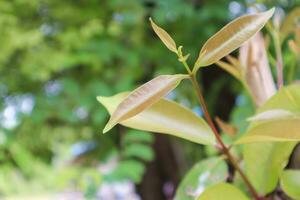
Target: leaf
231	37
223	191
290	183
287	129
230	69
228	129
164	36
128	169
272	115
143	97
140	151
133	136
202	175
293	47
266	161
165	117
290	22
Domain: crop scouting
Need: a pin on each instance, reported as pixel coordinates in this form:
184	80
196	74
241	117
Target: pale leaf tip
100	99
270	12
108	126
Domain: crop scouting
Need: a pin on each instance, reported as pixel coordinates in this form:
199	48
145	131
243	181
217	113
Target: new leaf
166	117
143	97
231	37
164	36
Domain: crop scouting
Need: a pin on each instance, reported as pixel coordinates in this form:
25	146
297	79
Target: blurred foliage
57	56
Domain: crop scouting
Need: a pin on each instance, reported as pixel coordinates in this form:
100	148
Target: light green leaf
202	175
128	169
143	97
290	183
135	136
140	151
284	129
223	191
164	36
264	163
290	22
231	37
165	117
274	114
267	160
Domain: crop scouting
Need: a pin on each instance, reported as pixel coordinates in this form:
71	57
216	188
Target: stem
224	149
187	67
279	60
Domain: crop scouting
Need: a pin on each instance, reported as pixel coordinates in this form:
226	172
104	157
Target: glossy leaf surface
266	161
290	183
222	191
275	114
165	117
202	175
143	97
231	37
286	129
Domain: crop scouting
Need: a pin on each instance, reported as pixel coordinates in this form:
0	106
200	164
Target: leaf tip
108	126
100	99
271	11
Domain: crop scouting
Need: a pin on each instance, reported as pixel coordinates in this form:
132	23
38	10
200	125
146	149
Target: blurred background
57	56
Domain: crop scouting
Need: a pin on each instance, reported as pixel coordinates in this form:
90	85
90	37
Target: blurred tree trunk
162	174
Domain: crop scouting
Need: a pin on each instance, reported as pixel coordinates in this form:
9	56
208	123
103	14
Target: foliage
203	174
277	112
57	56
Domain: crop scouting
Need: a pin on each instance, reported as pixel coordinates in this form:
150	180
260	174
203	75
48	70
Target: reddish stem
224	149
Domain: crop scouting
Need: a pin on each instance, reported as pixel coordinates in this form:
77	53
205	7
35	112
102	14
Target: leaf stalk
224	149
221	146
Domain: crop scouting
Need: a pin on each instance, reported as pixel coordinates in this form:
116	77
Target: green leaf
283	130
222	191
264	163
266	159
202	175
231	37
165	117
143	97
277	129
290	22
133	136
274	114
164	36
290	183
128	169
140	151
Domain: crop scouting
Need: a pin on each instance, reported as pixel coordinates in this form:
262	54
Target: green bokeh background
57	56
